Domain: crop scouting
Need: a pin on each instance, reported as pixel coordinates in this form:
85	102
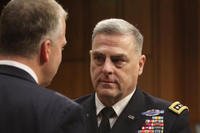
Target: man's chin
107	96
105	92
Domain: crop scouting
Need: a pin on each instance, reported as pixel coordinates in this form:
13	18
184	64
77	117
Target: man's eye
119	62
99	59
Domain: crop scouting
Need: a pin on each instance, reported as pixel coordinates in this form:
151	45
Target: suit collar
16	72
20	66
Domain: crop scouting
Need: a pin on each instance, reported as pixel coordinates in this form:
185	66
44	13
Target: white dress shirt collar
118	107
20	66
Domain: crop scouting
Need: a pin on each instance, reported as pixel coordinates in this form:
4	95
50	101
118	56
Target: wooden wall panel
197	100
72	79
167	56
102	9
75	30
190	42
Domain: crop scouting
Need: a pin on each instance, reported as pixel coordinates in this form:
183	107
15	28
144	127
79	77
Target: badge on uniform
177	107
154	122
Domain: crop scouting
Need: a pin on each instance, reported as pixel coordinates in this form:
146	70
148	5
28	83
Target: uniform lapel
131	118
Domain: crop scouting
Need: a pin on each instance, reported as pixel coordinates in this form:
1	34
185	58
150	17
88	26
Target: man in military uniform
118	105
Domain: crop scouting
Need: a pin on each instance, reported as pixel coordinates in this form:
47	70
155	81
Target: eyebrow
112	56
120	56
96	53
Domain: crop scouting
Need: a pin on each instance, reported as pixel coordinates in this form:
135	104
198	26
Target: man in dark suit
118	105
32	37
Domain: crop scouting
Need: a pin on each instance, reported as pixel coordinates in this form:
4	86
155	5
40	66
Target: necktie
106	113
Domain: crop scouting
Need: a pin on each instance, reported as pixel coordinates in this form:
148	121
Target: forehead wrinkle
121	41
109	51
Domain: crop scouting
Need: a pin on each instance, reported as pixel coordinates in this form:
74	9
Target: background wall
171	30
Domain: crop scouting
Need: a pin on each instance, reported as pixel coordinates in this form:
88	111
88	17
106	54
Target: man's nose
107	67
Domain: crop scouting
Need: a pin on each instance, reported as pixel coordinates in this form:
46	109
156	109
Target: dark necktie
106	113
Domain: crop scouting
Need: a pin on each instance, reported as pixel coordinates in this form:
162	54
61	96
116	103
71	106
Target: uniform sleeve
181	124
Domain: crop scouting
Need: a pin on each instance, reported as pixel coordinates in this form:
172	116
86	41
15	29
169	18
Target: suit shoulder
65	102
177	108
83	99
52	99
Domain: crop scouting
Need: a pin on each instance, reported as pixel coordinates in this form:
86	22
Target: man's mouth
107	83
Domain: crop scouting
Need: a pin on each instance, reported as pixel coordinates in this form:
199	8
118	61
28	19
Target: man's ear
142	61
45	51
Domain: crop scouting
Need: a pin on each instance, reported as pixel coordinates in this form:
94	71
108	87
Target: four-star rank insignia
177	107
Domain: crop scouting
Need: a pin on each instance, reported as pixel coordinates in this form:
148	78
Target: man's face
115	66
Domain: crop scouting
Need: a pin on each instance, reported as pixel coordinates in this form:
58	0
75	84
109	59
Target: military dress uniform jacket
143	113
26	107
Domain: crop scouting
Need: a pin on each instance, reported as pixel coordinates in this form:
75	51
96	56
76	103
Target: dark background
171	30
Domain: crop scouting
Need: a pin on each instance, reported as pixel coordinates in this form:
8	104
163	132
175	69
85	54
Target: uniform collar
118	107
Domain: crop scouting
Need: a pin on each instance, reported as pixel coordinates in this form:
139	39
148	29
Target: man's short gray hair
118	26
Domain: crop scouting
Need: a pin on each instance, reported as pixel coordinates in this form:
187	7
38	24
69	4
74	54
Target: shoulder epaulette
177	107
